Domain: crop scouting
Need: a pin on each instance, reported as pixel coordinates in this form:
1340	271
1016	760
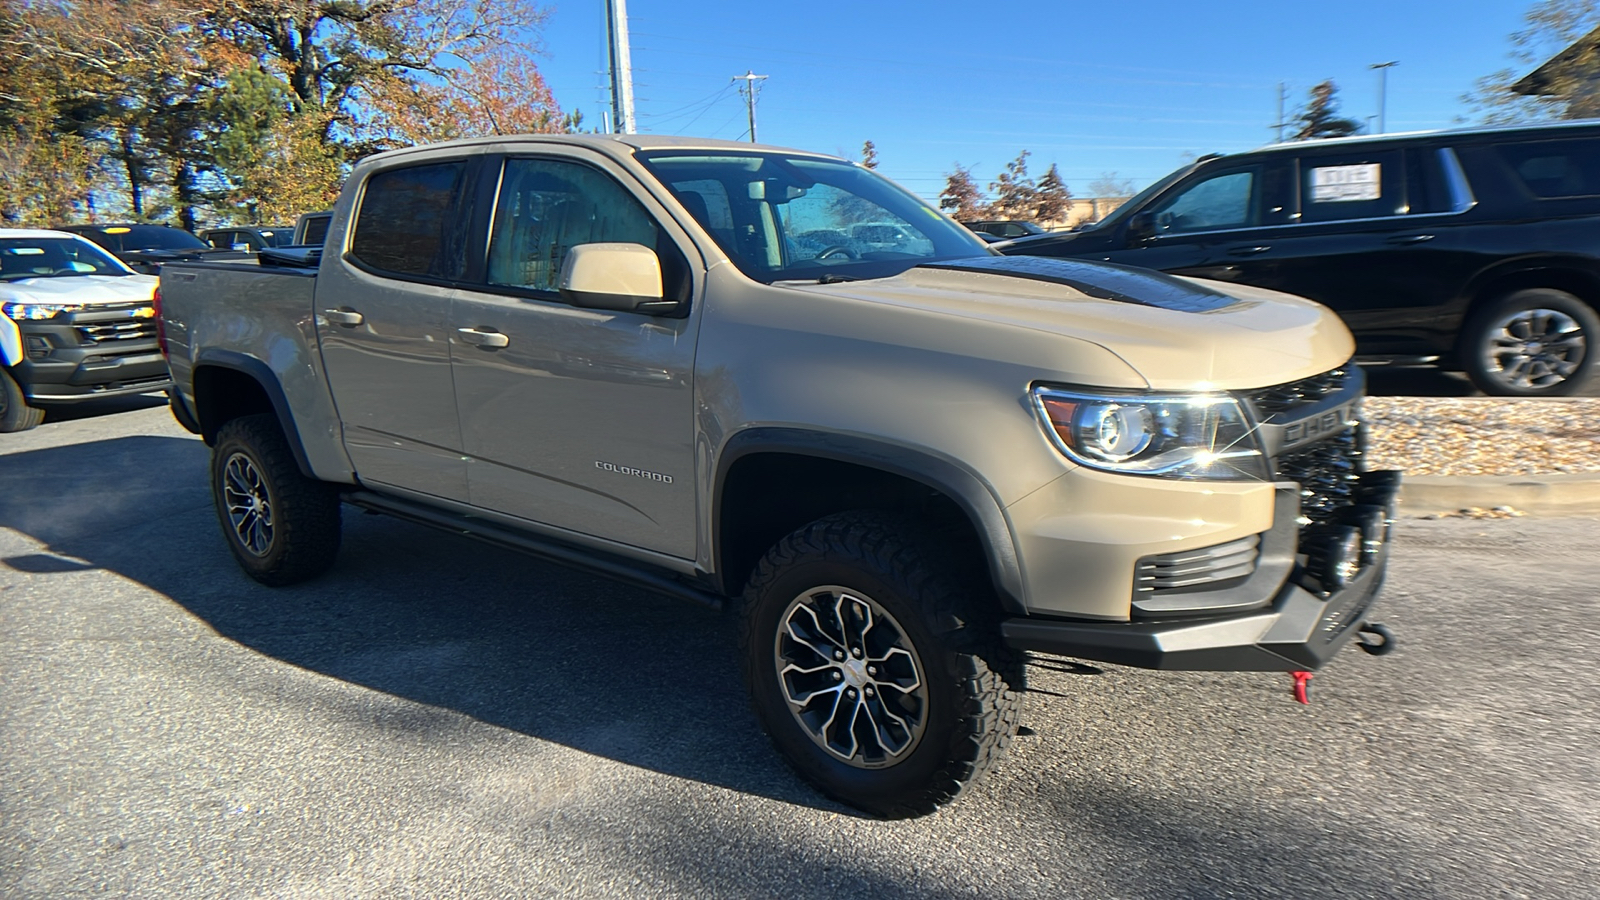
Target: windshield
54	258
123	238
1138	200
789	218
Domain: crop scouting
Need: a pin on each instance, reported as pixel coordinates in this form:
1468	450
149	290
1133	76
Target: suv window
1350	186
1567	168
1225	200
546	208
407	222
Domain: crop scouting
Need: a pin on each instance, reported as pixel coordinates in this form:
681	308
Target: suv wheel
281	526
1533	343
15	413
878	674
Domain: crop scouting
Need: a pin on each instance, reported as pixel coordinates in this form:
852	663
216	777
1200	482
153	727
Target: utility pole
621	67
1282	98
1383	90
749	89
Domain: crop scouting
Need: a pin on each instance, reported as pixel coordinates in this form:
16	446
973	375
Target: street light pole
1383	90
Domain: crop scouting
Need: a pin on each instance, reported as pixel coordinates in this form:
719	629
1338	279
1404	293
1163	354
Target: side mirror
1142	226
620	277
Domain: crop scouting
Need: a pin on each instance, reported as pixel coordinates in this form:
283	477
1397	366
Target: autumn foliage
245	110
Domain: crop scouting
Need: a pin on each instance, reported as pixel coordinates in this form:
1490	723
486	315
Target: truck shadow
415	613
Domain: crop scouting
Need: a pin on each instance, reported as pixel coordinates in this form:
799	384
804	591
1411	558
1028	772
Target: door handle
1410	238
346	317
488	340
1248	251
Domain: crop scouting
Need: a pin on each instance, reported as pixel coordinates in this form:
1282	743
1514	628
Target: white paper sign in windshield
1334	184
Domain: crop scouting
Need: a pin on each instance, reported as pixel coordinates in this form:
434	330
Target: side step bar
616	568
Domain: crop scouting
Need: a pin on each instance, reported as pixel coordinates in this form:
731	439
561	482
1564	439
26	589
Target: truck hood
1177	333
85	289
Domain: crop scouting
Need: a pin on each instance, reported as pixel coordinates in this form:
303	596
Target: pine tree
1015	195
1320	117
869	155
961	198
1052	198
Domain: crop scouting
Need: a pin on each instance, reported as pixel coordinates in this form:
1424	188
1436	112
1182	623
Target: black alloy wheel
281	526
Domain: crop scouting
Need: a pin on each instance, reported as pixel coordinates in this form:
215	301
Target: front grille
1199	569
1289	397
111	332
1327	472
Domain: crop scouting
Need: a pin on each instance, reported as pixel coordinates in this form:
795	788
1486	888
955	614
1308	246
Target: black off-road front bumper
1300	629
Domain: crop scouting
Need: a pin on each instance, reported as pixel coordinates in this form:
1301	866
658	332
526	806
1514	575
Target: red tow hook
1302	686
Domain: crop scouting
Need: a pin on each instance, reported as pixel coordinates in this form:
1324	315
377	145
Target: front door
382	312
1190	221
578	418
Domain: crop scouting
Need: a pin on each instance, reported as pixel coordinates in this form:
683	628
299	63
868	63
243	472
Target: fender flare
261	374
969	492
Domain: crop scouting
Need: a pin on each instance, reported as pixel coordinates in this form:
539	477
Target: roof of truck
609	142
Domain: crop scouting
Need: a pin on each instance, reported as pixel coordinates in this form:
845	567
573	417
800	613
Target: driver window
547	207
1218	202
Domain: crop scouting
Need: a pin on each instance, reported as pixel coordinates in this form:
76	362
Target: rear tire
15	413
1538	342
281	526
856	615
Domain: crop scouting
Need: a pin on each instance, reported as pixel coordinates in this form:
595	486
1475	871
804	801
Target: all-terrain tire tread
988	675
307	513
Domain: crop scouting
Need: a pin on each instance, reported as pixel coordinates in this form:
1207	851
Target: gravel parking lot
443	719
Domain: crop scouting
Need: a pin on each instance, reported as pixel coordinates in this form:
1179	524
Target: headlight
17	311
1176	435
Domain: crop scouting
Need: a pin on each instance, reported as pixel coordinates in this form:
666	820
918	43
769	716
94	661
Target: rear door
578	418
383	311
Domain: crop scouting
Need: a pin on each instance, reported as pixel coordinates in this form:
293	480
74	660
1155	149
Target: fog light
1333	556
38	347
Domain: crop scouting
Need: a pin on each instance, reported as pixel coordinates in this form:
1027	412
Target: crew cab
913	467
75	324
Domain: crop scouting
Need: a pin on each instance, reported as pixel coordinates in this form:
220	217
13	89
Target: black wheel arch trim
970	493
263	375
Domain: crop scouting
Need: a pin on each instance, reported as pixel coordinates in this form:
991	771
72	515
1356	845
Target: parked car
145	247
1005	228
75	324
909	469
248	237
1474	249
311	229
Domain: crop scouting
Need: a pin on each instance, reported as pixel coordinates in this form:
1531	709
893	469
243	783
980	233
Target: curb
1540	495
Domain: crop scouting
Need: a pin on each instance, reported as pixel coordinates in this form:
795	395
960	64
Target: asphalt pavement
438	718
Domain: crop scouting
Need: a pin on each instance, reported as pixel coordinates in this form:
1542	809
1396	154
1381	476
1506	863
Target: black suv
1005	228
1477	250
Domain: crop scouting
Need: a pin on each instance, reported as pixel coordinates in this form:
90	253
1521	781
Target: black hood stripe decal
1103	281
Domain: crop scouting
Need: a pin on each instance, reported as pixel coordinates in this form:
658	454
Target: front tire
1538	342
281	526
877	671
15	413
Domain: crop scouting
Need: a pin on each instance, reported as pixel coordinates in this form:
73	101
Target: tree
869	155
1052	199
961	198
1566	33
1109	186
1015	195
1320	116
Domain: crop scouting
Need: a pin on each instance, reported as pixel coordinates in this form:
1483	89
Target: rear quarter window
1553	169
407	222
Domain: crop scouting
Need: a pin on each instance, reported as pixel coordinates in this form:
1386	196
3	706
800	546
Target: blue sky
1130	88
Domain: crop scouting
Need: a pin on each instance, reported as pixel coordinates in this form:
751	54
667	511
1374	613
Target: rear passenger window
1552	169
1350	186
407	222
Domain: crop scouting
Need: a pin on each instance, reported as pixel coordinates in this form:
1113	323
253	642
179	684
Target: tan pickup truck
912	466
